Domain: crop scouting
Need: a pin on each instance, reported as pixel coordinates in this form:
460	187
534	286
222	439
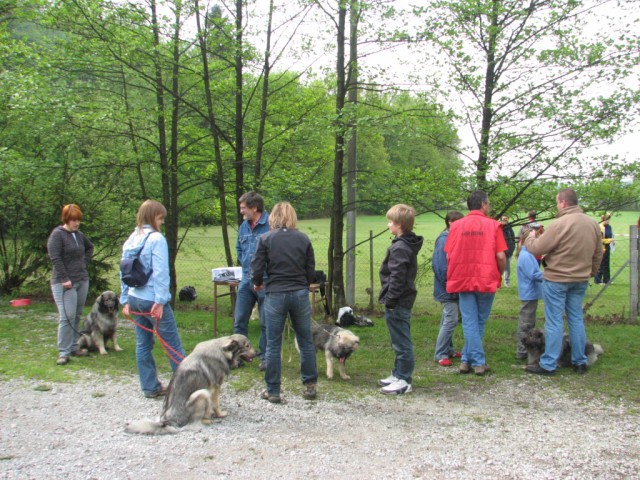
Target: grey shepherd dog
194	390
101	324
335	342
535	343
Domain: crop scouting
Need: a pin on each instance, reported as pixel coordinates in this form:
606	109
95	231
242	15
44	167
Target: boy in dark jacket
398	294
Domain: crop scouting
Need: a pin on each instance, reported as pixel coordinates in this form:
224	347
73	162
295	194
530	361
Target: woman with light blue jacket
149	304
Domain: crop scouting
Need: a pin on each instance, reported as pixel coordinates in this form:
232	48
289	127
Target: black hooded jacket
398	272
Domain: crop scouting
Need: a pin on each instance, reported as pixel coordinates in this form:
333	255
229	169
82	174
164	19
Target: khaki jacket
572	246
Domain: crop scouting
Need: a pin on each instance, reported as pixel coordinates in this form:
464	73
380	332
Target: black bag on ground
132	272
187	294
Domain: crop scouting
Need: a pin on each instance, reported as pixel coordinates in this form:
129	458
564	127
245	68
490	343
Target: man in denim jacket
256	223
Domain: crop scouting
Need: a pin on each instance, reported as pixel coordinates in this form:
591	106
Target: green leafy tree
539	86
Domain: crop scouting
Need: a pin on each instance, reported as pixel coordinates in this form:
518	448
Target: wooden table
233	285
314	289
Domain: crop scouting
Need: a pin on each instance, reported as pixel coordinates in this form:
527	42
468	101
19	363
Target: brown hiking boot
481	369
309	392
464	368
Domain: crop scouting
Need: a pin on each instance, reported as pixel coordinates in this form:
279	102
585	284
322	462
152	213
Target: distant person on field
449	301
510	238
476	254
529	291
572	246
70	252
604	273
255	224
531	216
398	294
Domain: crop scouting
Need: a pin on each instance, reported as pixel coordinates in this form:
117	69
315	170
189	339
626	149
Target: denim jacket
439	267
154	254
247	242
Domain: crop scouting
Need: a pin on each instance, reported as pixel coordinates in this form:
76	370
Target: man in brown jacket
572	249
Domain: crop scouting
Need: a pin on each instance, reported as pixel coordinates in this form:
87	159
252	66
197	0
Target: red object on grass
20	302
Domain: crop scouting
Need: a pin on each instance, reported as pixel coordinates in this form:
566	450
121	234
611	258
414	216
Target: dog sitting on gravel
335	342
535	343
194	390
101	324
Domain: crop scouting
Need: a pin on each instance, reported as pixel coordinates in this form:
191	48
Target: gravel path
522	430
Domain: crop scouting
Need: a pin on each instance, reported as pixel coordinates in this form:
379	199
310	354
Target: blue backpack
131	270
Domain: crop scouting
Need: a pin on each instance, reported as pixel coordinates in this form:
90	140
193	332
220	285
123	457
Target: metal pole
371	270
634	274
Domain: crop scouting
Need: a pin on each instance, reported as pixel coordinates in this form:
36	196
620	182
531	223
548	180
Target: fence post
371	270
634	274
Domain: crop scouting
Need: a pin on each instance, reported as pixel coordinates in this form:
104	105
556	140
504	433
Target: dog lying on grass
194	391
535	343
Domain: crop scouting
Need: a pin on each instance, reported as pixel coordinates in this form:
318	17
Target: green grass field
28	350
203	250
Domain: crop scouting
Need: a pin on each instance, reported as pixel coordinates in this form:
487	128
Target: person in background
398	294
604	272
510	238
449	301
70	252
286	256
255	224
476	254
149	304
531	217
529	291
572	246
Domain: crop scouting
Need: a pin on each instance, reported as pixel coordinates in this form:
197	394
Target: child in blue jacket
529	291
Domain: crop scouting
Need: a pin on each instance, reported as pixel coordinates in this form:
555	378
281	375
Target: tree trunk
215	135
336	250
239	120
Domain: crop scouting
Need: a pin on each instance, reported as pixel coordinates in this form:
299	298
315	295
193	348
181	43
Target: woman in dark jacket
286	255
70	252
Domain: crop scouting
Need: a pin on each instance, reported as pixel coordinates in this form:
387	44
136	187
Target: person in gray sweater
70	252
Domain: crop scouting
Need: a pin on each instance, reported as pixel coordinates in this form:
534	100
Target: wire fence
201	252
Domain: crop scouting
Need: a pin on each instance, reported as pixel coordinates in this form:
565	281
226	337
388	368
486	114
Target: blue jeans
245	301
448	322
475	308
168	330
70	302
296	305
399	325
560	298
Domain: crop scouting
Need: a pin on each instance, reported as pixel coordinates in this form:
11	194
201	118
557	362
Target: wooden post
634	298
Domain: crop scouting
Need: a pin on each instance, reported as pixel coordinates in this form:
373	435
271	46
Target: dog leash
165	346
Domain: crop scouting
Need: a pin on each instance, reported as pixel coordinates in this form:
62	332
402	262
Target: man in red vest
476	255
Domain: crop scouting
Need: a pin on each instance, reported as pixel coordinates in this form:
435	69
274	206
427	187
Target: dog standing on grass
194	390
335	342
101	324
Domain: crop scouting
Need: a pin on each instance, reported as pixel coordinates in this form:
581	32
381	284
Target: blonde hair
283	215
403	215
70	212
149	212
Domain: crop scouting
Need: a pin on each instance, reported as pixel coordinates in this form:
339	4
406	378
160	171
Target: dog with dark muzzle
535	343
194	390
101	324
335	342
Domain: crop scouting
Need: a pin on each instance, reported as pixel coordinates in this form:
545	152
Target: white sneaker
396	388
387	381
